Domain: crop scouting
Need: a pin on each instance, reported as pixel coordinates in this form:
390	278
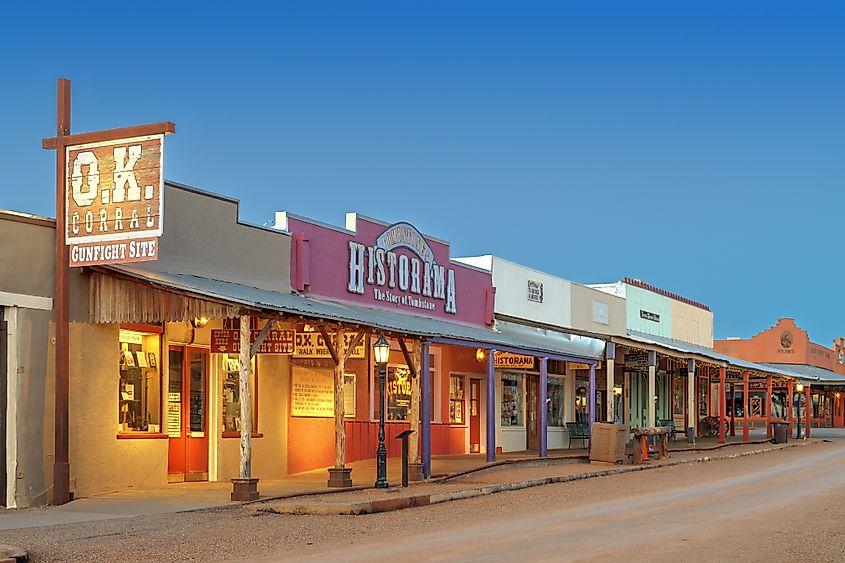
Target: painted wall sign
114	200
649	316
228	341
415	281
581	365
505	360
312	345
312	393
535	291
387	266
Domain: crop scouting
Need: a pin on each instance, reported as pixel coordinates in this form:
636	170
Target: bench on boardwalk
577	431
670	424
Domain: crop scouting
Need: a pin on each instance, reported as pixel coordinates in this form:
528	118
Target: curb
412	501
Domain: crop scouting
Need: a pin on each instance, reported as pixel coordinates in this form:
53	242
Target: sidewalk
494	479
181	497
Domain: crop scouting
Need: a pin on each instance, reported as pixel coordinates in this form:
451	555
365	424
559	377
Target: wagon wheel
711	425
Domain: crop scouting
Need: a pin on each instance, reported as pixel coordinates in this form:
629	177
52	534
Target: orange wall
773	345
311	440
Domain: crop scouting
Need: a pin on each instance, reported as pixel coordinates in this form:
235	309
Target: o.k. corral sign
114	200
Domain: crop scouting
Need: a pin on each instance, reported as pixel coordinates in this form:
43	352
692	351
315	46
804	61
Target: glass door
187	415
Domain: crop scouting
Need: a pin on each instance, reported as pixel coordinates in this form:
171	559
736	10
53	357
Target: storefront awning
685	350
523	339
819	376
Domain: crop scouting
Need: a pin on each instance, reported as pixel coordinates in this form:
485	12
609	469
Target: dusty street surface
786	505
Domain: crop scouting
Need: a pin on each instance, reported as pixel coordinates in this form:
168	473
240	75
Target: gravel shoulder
242	533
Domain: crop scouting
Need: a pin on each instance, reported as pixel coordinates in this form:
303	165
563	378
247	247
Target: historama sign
114	200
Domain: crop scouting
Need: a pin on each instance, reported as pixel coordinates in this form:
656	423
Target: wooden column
339	406
692	408
808	409
610	355
491	407
246	401
745	402
425	423
544	423
733	409
790	415
723	407
769	407
652	376
591	406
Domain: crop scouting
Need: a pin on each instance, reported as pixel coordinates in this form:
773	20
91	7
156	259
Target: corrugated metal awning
262	300
820	375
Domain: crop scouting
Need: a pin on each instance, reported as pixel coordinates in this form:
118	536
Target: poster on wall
398	392
312	393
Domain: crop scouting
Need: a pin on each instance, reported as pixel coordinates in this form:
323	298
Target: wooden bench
641	452
578	431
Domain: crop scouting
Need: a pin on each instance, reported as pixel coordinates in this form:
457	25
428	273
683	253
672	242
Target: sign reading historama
415	281
114	200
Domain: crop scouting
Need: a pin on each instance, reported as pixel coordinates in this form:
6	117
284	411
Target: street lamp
799	387
381	353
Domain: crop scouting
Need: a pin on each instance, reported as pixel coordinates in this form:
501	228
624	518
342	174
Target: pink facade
388	266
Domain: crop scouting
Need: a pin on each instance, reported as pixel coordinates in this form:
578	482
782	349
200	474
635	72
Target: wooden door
532	422
187	415
474	416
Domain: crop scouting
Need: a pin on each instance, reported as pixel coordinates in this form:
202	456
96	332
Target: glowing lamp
199	322
381	350
479	355
799	387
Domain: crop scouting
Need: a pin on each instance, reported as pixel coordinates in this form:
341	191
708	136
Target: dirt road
787	505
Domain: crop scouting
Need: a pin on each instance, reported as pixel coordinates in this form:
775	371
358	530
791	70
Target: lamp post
381	353
799	387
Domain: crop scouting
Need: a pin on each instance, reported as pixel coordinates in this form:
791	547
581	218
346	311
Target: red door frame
187	458
474	420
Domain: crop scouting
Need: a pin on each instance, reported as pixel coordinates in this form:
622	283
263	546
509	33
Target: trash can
780	432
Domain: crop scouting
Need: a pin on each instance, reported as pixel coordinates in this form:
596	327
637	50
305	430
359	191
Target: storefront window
581	402
398	383
398	392
554	401
512	399
139	386
456	400
231	394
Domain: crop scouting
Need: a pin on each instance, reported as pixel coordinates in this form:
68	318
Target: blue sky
695	145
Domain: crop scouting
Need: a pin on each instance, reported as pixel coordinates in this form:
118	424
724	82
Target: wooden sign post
88	189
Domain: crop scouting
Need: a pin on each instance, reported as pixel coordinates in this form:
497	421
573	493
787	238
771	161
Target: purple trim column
425	423
491	406
591	406
544	423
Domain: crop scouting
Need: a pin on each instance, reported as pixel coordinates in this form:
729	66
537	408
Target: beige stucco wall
99	462
26	254
269	453
692	324
585	315
202	236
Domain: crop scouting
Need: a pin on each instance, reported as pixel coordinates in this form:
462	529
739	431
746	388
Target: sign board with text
312	345
228	341
508	360
114	200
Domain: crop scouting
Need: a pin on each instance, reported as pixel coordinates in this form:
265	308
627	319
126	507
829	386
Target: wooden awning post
723	407
733	409
808	410
746	415
768	407
413	359
246	401
692	412
610	357
790	415
652	386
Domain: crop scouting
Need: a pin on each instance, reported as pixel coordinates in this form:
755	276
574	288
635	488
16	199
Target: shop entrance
187	420
474	416
532	423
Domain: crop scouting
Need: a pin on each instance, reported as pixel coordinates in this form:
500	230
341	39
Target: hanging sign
581	365
114	200
228	341
508	360
312	345
636	361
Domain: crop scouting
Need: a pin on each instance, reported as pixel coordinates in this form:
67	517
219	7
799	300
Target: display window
398	383
231	410
512	399
457	396
555	402
581	407
139	384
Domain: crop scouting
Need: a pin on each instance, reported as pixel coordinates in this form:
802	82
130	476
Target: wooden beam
332	350
409	361
339	406
165	127
246	401
261	337
353	344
